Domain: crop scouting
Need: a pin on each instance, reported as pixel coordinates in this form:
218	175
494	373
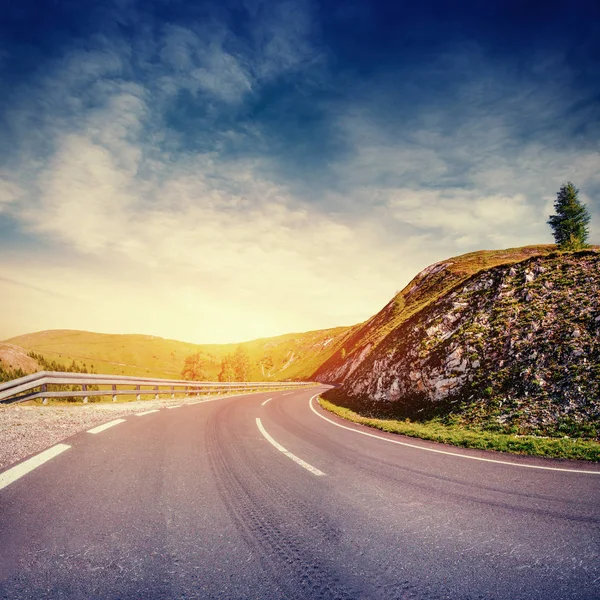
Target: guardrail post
84	389
172	391
156	390
114	389
139	396
44	389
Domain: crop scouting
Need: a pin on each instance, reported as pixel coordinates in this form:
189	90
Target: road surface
260	497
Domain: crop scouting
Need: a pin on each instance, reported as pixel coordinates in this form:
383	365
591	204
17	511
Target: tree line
235	366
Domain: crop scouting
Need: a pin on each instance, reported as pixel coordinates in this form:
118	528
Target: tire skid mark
384	585
298	570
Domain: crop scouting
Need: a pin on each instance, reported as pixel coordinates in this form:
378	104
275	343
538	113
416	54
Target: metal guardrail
37	385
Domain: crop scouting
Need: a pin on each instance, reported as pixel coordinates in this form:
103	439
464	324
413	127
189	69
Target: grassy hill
292	356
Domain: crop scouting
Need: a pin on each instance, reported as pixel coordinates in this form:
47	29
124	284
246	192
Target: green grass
474	438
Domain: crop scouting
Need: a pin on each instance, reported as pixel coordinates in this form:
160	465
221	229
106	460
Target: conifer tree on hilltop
569	224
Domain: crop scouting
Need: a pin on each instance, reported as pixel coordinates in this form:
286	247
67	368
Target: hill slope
514	347
289	356
429	285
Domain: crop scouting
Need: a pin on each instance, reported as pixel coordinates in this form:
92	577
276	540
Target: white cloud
10	193
466	216
196	60
283	35
478	168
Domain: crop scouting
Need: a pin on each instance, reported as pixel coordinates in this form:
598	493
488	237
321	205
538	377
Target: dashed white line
288	393
279	447
29	465
106	426
490	460
267	400
214	399
146	412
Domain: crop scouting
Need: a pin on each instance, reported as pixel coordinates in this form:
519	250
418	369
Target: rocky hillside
514	347
355	345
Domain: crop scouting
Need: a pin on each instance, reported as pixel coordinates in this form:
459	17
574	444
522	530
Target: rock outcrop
515	346
355	345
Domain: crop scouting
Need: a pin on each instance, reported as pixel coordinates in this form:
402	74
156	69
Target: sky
223	171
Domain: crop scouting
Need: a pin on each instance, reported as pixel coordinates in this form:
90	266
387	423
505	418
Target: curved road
250	498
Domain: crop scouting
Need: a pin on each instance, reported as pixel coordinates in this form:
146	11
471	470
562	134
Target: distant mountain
513	347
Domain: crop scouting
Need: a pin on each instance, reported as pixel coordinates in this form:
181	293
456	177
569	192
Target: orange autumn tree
194	367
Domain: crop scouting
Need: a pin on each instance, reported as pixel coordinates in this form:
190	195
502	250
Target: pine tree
569	224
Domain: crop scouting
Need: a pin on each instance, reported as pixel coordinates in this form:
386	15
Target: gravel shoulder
27	430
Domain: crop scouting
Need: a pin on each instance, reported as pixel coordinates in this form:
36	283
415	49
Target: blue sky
216	172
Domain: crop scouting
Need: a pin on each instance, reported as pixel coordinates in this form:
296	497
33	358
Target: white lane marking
491	460
263	403
217	398
288	393
29	465
146	412
178	406
106	426
214	399
279	447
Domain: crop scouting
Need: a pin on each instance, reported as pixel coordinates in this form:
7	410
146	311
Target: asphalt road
195	502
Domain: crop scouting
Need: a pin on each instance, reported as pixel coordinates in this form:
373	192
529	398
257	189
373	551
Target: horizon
213	173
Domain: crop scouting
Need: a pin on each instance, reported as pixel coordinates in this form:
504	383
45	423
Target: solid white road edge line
146	412
178	406
490	460
279	447
106	426
263	403
29	465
